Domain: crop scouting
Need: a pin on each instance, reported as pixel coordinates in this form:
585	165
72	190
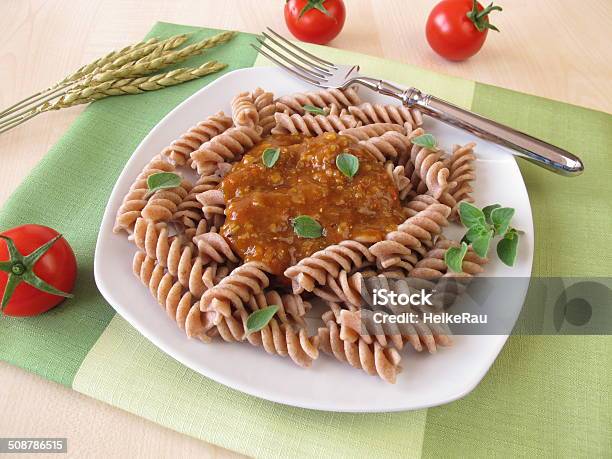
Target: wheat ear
132	86
147	66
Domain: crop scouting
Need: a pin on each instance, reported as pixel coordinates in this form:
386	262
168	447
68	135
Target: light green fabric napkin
545	396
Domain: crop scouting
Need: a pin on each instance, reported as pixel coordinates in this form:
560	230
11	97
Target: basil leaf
507	248
481	243
500	218
453	257
260	318
307	227
487	212
314	110
425	141
470	215
161	181
270	156
348	164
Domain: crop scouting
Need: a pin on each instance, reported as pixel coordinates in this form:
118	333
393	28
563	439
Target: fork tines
295	60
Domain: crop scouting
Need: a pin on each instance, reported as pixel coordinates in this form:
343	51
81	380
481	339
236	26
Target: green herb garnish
161	181
487	212
500	218
483	225
314	110
426	141
270	156
260	318
471	215
453	257
307	227
507	247
348	164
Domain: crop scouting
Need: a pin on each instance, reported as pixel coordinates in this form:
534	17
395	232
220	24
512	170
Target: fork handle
523	145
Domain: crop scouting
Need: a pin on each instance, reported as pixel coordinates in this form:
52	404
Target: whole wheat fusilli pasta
136	198
313	270
213	206
311	125
189	211
179	151
163	204
164	287
401	245
244	111
173	253
433	266
372	358
462	173
416	333
266	108
430	169
236	289
228	146
372	130
369	113
322	99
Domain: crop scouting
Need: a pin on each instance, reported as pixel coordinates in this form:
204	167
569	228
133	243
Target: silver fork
319	72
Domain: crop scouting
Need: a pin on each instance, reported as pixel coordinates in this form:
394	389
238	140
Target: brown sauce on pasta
261	201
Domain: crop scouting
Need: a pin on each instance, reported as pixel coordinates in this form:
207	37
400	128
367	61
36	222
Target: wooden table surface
552	48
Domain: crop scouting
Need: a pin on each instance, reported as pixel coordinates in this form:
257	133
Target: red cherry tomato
315	21
56	268
457	29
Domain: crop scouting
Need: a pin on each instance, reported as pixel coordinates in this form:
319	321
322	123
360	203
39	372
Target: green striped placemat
543	396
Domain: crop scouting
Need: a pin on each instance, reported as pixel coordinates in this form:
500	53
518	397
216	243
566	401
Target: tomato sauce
261	201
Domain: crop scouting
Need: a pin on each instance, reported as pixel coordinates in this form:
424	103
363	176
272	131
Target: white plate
427	380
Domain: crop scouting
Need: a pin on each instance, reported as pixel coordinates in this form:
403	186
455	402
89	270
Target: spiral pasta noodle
236	289
213	206
311	125
421	228
433	265
372	130
228	146
372	358
369	113
345	288
462	173
292	308
173	253
418	334
212	246
397	175
321	99
281	336
276	338
164	287
266	108
244	111
179	151
162	205
388	146
430	169
135	200
313	270
189	211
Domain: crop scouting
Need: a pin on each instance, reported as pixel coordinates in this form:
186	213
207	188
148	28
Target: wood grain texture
552	48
